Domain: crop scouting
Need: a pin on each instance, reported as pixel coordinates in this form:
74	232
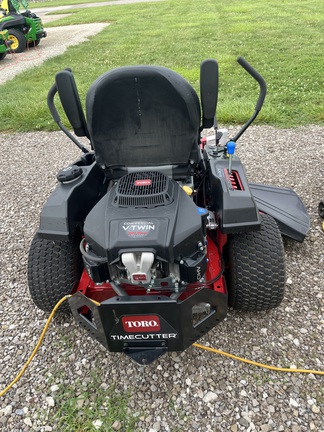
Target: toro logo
144	182
141	323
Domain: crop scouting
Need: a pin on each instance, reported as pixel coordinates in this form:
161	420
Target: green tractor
24	28
4	43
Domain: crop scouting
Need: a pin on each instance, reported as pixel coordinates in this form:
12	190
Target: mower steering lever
50	103
255	74
262	95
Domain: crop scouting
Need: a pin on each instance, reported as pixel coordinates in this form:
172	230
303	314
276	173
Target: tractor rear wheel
18	40
255	272
2	55
54	269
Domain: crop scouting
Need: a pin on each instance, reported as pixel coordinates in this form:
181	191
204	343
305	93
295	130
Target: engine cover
148	212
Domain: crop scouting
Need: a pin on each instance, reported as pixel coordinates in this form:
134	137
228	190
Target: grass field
284	42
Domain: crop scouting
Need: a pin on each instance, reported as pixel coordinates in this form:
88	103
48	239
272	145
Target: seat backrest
143	116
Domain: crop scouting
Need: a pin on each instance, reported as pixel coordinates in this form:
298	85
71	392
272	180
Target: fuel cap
69	173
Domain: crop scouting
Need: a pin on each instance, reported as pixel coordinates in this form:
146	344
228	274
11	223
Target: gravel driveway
194	390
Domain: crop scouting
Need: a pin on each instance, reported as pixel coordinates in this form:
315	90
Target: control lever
230	150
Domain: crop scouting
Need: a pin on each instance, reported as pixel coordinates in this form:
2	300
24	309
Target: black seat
143	116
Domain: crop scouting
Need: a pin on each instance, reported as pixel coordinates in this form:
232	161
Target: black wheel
255	272
321	209
18	40
34	43
54	268
2	55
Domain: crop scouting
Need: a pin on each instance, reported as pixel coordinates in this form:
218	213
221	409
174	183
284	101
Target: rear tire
54	269
2	55
256	268
18	41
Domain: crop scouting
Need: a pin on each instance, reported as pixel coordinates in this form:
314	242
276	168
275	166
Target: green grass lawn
45	4
81	405
283	41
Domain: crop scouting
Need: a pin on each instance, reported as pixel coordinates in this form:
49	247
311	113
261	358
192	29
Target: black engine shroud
146	212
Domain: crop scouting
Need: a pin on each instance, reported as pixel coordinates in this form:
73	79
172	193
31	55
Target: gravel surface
190	391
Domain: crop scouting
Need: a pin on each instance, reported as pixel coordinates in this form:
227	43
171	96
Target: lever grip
50	103
263	86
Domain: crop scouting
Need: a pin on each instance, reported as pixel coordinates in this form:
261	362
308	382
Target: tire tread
256	273
54	267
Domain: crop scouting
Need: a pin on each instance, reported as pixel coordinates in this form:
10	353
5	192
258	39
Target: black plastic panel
285	206
69	204
235	208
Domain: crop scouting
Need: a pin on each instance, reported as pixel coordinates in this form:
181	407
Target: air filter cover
144	190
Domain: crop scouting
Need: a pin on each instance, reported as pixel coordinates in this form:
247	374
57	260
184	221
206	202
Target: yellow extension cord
40	340
203	347
251	362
